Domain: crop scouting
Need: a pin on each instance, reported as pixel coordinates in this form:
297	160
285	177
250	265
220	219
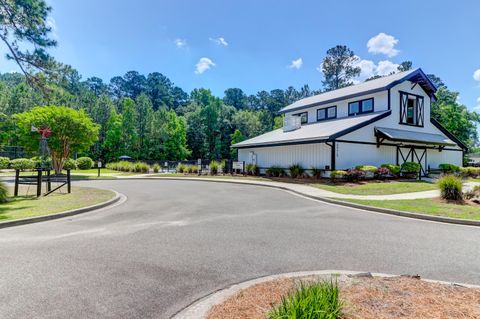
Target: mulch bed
364	298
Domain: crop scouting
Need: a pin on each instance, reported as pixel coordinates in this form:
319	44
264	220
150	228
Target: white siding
307	155
380	101
349	155
435	158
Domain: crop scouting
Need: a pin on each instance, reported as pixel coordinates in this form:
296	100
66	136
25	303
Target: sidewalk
304	189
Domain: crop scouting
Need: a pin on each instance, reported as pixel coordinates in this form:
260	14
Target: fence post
69	185
39	182
17	180
49	183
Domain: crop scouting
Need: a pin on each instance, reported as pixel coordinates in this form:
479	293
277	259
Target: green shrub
84	162
316	172
275	171
367	168
450	187
337	174
41	163
3	192
410	168
156	168
193	169
470	171
252	169
449	168
181	168
4	162
70	164
214	166
316	301
296	170
394	169
22	163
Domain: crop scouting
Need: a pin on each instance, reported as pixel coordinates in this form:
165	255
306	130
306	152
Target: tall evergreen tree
339	68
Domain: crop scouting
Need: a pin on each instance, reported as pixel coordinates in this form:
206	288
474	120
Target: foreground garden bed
430	206
27	205
360	297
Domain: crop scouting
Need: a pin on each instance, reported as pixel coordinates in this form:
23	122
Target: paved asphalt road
175	241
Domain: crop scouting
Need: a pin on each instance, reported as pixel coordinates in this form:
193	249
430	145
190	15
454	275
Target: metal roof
368	87
312	133
393	134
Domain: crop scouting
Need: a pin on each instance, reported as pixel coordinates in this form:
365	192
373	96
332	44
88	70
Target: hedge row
31	163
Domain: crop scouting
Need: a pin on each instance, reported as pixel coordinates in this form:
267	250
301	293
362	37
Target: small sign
238	165
199	161
99	164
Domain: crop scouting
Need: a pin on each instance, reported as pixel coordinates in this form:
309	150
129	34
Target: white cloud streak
384	44
180	43
296	64
219	41
203	65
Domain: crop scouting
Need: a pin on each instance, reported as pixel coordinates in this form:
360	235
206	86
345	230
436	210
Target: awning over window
412	136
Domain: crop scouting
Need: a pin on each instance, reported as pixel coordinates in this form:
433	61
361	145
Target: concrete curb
199	308
440	219
67	213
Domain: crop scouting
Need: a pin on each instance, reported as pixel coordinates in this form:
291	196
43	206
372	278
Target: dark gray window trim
326	113
360	106
421	109
300	115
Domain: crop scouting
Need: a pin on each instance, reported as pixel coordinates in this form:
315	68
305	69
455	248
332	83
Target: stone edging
67	213
200	308
441	219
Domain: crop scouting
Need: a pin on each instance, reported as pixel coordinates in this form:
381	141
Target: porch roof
398	135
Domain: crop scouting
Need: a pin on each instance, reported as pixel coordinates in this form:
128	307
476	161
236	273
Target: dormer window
411	109
327	113
360	107
303	117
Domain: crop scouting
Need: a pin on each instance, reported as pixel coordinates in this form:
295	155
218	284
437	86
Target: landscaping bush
84	163
22	163
354	175
296	170
222	167
338	174
449	168
473	193
123	166
141	167
470	171
41	163
275	171
3	192
252	169
394	169
214	166
316	172
367	168
181	168
4	162
70	164
450	187
316	301
156	168
410	169
383	173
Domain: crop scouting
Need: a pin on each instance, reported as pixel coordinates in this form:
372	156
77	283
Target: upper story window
360	107
411	109
327	113
303	117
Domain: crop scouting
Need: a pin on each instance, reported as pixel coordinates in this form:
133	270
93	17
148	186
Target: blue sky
252	44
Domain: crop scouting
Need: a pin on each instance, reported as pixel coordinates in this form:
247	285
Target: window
303	117
359	107
411	109
327	113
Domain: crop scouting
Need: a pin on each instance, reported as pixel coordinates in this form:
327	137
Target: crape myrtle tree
72	131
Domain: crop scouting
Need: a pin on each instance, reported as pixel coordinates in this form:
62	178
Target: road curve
173	242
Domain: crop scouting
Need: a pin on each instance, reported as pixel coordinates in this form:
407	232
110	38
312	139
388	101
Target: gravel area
364	298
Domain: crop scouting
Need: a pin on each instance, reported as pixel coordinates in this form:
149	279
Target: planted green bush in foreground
296	170
4	162
22	163
450	187
3	192
84	163
310	301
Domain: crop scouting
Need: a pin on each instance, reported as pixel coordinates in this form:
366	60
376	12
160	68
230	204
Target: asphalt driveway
175	241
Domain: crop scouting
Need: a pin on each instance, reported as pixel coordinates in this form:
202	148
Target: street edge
67	213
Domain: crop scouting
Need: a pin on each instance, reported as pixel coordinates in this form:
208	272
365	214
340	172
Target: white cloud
296	64
203	65
53	26
386	67
180	43
219	41
476	75
368	68
383	43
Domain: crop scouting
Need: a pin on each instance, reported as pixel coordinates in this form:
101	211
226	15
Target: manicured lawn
426	206
380	188
29	206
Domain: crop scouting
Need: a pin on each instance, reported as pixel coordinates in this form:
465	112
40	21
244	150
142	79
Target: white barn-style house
386	120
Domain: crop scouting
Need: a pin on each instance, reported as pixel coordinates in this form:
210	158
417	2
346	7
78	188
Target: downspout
332	154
